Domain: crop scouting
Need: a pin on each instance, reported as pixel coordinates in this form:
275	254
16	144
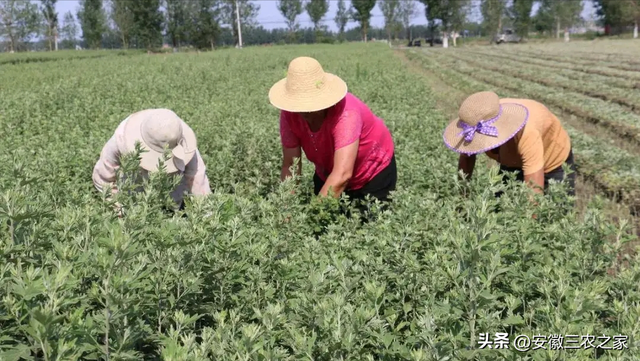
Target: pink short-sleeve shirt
346	122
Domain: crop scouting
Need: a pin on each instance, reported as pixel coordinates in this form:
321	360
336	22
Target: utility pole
238	21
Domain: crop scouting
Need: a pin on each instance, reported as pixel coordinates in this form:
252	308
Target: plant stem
107	318
44	351
12	231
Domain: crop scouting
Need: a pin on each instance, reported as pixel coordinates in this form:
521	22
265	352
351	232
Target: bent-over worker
155	129
522	135
351	148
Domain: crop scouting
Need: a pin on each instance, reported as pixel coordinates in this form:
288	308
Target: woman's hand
466	164
118	209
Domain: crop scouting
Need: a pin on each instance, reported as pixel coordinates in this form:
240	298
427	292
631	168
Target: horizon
268	14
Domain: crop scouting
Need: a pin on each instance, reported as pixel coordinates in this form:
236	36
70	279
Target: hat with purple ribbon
484	122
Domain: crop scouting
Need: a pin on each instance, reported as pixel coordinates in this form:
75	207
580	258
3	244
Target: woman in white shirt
155	129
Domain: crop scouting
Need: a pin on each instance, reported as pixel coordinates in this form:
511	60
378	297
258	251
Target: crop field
593	87
257	272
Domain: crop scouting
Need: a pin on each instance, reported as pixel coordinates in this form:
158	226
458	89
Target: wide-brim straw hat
307	88
484	123
156	129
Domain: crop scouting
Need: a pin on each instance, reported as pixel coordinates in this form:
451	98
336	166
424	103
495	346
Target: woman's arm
343	166
535	181
291	147
288	157
467	163
531	149
104	171
196	176
346	136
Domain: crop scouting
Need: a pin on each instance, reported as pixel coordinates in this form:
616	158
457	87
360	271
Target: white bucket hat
307	88
155	129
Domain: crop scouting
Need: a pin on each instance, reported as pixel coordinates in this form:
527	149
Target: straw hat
155	129
307	88
484	123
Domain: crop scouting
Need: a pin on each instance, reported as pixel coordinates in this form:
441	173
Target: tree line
206	24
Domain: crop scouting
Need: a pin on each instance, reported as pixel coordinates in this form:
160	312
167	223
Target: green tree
492	13
50	17
122	17
634	7
521	15
565	13
362	14
316	10
147	22
406	12
290	9
69	30
342	19
619	13
93	22
205	27
390	12
177	21
248	12
19	21
451	14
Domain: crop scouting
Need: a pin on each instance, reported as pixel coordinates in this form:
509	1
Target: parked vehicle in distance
507	36
436	40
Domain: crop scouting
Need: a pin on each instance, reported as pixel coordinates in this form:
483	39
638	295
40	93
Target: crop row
577	75
615	117
613	169
551	78
625	50
626	53
573	59
627	75
63	55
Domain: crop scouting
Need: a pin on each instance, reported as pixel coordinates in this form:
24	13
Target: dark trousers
556	174
379	187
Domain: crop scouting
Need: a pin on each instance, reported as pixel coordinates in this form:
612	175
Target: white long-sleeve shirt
194	180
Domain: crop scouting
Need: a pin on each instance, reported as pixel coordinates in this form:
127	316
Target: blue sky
270	17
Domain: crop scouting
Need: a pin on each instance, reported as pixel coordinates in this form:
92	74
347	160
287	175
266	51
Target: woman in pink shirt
351	148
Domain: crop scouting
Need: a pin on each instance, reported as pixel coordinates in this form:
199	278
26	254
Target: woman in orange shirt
522	135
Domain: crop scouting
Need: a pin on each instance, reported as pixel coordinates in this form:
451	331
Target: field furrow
577	75
612	169
627	75
590	56
616	117
540	75
578	60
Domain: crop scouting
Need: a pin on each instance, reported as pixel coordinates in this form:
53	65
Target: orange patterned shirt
541	144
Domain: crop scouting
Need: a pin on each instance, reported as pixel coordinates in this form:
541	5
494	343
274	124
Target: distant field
256	272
